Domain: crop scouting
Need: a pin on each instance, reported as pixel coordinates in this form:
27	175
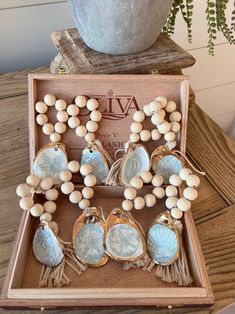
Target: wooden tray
110	285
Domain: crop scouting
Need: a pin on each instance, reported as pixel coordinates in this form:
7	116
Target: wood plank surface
214	210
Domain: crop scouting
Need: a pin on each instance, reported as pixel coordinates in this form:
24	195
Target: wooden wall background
25	27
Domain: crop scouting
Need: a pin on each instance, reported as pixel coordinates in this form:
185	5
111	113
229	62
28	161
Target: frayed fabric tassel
114	173
141	263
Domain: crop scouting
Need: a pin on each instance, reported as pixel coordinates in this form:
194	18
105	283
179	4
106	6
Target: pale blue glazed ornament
166	166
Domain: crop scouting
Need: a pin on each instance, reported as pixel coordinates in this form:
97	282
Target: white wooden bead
33	180
193	181
155	135
41	119
75	197
87	192
175	126
90	180
81	101
171	202
154	106
73	122
176	213
67	187
145	135
26	202
46	217
190	194
136	183
55	137
150	200
136	127
147	111
62	116
157	118
175	180
164	127
92	104
60	105
81	131
146	176
54	227
48	129
169	137
130	193
175	116
49	99
96	115
46	183
73	110
183	204
138	116
184	173
52	195
162	100
170	106
65	175
85	169
60	127
92	126
157	180
159	192
171	145
139	202
134	137
162	112
171	191
73	166
37	210
23	190
127	205
41	107
49	207
83	204
90	137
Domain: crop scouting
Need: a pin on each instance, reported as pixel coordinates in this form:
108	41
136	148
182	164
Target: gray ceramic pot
120	26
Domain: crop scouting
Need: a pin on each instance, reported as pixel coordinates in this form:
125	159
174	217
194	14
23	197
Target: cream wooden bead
171	145
175	126
169	137
157	118
154	106
23	190
67	187
41	107
73	122
159	192
139	116
81	101
90	180
162	100
60	127
193	181
92	126
175	116
175	180
92	104
87	192
33	180
176	213
81	131
136	183
83	204
37	210
41	119
49	207
145	135
46	217
73	166
183	204
96	115
46	183
73	110
184	173
136	127
52	195
150	200
171	190
62	116
170	106
85	169
162	112
155	135
65	175
75	197
147	111
139	203
157	180
49	99
48	129
26	202
127	205
171	202
146	176
130	194
54	227
55	137
90	137
134	137
190	194
164	127
60	105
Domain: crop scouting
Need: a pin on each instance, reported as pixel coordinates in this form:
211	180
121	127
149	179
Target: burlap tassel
114	173
141	263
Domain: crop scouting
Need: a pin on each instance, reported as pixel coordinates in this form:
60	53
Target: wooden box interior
119	97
